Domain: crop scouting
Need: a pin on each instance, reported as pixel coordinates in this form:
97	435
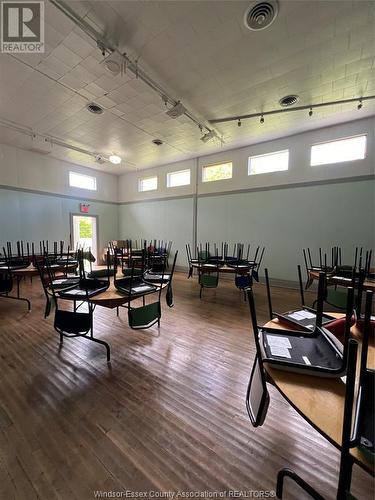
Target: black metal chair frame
349	439
10	280
158	290
89	334
258	419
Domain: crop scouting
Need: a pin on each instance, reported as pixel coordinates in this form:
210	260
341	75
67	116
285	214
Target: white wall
128	183
166	220
299	170
315	206
34	171
286	211
36	200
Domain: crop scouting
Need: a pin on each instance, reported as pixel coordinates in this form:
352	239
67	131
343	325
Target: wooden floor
168	414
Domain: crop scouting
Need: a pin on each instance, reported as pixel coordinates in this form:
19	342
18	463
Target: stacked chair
210	259
72	323
151	281
318	353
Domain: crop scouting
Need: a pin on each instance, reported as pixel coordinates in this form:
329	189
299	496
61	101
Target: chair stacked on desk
210	260
72	323
317	362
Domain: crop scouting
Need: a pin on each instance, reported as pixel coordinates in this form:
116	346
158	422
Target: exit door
84	229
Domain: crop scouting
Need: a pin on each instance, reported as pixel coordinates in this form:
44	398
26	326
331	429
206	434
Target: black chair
151	276
191	261
316	353
363	435
86	287
362	416
346	461
72	324
7	278
257	397
304	318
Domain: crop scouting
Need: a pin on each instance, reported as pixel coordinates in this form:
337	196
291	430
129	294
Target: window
180	178
217	172
270	162
82	181
351	148
148	184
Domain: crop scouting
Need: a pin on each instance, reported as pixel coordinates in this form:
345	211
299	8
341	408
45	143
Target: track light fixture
310	107
209	136
239	123
261	118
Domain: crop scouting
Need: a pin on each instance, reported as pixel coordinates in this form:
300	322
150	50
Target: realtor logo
22	27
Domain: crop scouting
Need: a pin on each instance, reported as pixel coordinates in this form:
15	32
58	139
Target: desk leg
18	295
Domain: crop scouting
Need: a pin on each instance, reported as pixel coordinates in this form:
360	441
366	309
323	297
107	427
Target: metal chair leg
297	479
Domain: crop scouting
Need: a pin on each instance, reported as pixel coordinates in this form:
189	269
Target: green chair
208	277
146	315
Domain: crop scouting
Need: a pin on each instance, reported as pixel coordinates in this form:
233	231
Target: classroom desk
112	298
33	271
225	269
368	284
30	271
318	400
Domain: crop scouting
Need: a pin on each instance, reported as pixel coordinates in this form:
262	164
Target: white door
85	233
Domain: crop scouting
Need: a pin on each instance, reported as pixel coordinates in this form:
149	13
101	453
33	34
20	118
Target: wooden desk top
320	400
33	271
368	284
112	298
225	269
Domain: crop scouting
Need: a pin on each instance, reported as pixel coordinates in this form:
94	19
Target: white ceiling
203	55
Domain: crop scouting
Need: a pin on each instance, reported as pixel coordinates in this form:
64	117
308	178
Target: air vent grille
261	15
288	100
95	108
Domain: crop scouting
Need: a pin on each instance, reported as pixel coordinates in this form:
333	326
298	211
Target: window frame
365	135
216	165
141	179
72	172
179	172
267	154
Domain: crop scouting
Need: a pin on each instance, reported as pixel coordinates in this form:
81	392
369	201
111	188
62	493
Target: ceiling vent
99	159
95	108
177	110
288	100
261	15
157	142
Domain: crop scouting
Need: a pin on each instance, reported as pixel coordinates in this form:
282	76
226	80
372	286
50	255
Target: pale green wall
286	220
165	220
29	216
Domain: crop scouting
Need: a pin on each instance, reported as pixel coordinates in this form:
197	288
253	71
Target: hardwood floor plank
167	414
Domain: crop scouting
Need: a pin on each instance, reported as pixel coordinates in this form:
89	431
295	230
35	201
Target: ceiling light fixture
239	123
209	136
116	160
360	104
310	111
309	107
114	63
177	110
261	119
